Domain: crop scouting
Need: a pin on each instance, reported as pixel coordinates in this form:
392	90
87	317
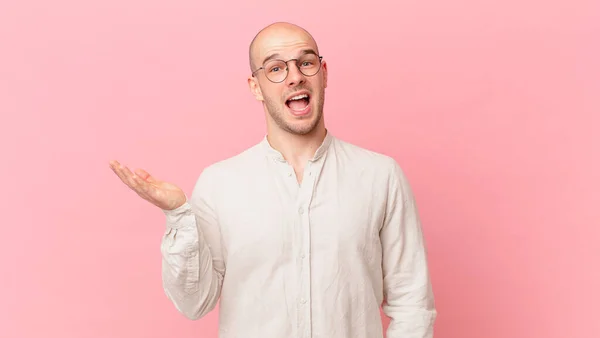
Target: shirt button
302	256
300	211
303	301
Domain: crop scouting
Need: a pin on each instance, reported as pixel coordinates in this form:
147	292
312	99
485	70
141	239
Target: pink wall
491	108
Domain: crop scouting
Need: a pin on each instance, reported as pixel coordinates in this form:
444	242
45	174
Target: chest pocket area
347	222
253	230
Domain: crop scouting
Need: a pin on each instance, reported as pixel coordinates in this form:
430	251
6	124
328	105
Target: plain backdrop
491	108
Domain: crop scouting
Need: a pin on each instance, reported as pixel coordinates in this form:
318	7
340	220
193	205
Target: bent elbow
194	303
192	315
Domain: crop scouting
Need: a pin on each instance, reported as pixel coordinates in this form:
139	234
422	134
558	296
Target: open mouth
298	102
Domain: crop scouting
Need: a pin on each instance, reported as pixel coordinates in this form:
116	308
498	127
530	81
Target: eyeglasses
277	70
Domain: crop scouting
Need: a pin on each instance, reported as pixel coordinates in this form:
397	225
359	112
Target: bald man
302	234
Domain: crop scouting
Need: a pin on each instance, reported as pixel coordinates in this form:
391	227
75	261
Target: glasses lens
276	70
309	64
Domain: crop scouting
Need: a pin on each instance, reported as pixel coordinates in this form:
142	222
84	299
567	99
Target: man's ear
324	70
255	88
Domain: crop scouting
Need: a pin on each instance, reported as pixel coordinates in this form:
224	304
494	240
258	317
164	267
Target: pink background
490	107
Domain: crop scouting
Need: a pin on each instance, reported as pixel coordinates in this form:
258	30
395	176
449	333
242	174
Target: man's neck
297	149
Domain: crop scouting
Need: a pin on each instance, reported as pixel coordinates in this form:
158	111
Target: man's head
292	93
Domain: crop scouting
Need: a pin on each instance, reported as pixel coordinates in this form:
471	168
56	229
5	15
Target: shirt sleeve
409	301
192	262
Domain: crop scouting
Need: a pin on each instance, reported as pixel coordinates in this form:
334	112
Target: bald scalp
265	33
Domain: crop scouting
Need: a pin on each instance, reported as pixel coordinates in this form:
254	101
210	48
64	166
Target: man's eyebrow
308	51
270	57
277	55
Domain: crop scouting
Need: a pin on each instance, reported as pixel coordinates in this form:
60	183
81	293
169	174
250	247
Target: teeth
298	97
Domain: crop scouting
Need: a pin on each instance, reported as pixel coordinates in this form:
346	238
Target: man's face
296	103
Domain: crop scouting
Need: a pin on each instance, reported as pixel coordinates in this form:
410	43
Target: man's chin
301	126
294	123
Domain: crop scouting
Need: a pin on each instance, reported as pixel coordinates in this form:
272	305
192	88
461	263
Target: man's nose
294	77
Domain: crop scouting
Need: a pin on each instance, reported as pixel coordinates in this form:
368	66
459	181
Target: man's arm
192	261
407	288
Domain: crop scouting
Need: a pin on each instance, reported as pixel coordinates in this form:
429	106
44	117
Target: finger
117	169
140	186
143	188
129	177
113	163
126	176
145	175
132	180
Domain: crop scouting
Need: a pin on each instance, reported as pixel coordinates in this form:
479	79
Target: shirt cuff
179	217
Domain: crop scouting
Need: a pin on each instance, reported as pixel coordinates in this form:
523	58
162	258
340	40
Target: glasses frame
287	68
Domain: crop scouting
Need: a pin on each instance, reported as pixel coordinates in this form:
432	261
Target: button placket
304	261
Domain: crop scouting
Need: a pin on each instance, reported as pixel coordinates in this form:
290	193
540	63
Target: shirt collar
275	154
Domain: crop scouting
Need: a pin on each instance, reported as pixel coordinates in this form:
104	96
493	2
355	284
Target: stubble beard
277	114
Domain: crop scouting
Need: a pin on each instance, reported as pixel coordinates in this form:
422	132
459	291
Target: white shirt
309	260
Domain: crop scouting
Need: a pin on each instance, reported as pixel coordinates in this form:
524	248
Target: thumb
145	175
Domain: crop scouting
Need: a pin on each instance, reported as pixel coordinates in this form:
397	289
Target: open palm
162	194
